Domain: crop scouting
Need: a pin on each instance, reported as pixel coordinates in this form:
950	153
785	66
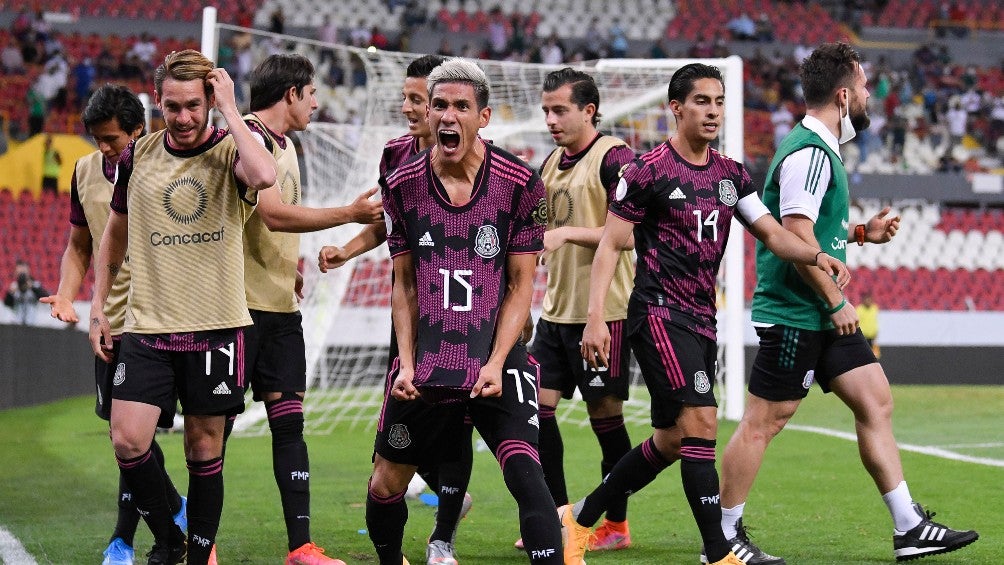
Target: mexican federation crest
486	243
399	438
727	192
702	383
119	377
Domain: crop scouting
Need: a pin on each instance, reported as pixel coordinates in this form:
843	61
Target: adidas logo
426	240
533	421
221	388
597	381
677	194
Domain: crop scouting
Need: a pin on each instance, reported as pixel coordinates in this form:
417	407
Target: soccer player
580	176
181	198
114	118
465	224
679	200
451	474
808	330
282	100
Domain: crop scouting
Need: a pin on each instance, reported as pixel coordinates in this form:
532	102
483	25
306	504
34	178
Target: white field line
11	550
923	449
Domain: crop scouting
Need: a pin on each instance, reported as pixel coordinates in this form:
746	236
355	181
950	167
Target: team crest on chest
486	243
727	193
539	213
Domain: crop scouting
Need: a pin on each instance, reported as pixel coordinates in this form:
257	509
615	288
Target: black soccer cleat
167	554
929	538
746	550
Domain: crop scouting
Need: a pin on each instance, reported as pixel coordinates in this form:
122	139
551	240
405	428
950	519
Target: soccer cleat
609	536
118	553
181	518
574	537
310	554
729	559
439	552
746	551
929	538
167	554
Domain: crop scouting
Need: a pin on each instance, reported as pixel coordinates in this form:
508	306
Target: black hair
682	82
421	67
584	89
114	101
276	75
829	67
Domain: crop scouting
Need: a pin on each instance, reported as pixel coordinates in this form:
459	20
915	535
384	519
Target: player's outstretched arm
282	217
878	229
595	348
369	238
256	167
111	254
72	269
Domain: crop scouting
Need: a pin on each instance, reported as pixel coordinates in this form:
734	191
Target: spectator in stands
37	108
764	29
52	163
996	125
595	40
53	80
742	27
702	48
277	21
921	155
40	27
21	27
245	17
327	33
415	14
782	120
12	59
378	39
83	79
957	119
105	63
618	40
498	36
868	312
23	294
552	52
360	35
145	49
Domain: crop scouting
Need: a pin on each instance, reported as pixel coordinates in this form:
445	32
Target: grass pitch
813	502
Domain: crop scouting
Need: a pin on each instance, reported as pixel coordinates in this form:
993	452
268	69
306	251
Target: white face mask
847	132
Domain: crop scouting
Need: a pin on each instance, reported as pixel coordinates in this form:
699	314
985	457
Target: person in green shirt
808	330
868	313
52	162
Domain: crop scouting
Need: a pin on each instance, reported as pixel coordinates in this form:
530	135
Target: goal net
346	313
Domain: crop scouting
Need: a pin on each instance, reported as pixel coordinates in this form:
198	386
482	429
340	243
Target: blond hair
183	66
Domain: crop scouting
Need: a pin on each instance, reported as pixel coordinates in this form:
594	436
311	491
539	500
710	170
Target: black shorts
104	373
418	433
789	359
677	364
557	348
208	383
275	355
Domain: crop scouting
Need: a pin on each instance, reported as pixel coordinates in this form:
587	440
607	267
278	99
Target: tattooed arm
111	253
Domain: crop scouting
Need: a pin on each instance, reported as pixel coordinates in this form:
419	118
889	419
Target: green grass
812	499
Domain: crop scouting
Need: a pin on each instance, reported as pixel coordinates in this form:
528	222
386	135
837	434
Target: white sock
900	504
730	516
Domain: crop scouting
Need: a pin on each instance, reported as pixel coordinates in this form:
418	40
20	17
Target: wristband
837	308
859	234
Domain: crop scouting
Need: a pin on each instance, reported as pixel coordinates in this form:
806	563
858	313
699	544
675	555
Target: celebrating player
451	473
465	222
113	117
580	176
282	100
679	199
181	198
808	330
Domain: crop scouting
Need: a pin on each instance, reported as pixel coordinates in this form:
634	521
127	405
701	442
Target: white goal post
346	315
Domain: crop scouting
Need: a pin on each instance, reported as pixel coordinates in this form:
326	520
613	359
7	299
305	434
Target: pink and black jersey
460	257
396	152
682	214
